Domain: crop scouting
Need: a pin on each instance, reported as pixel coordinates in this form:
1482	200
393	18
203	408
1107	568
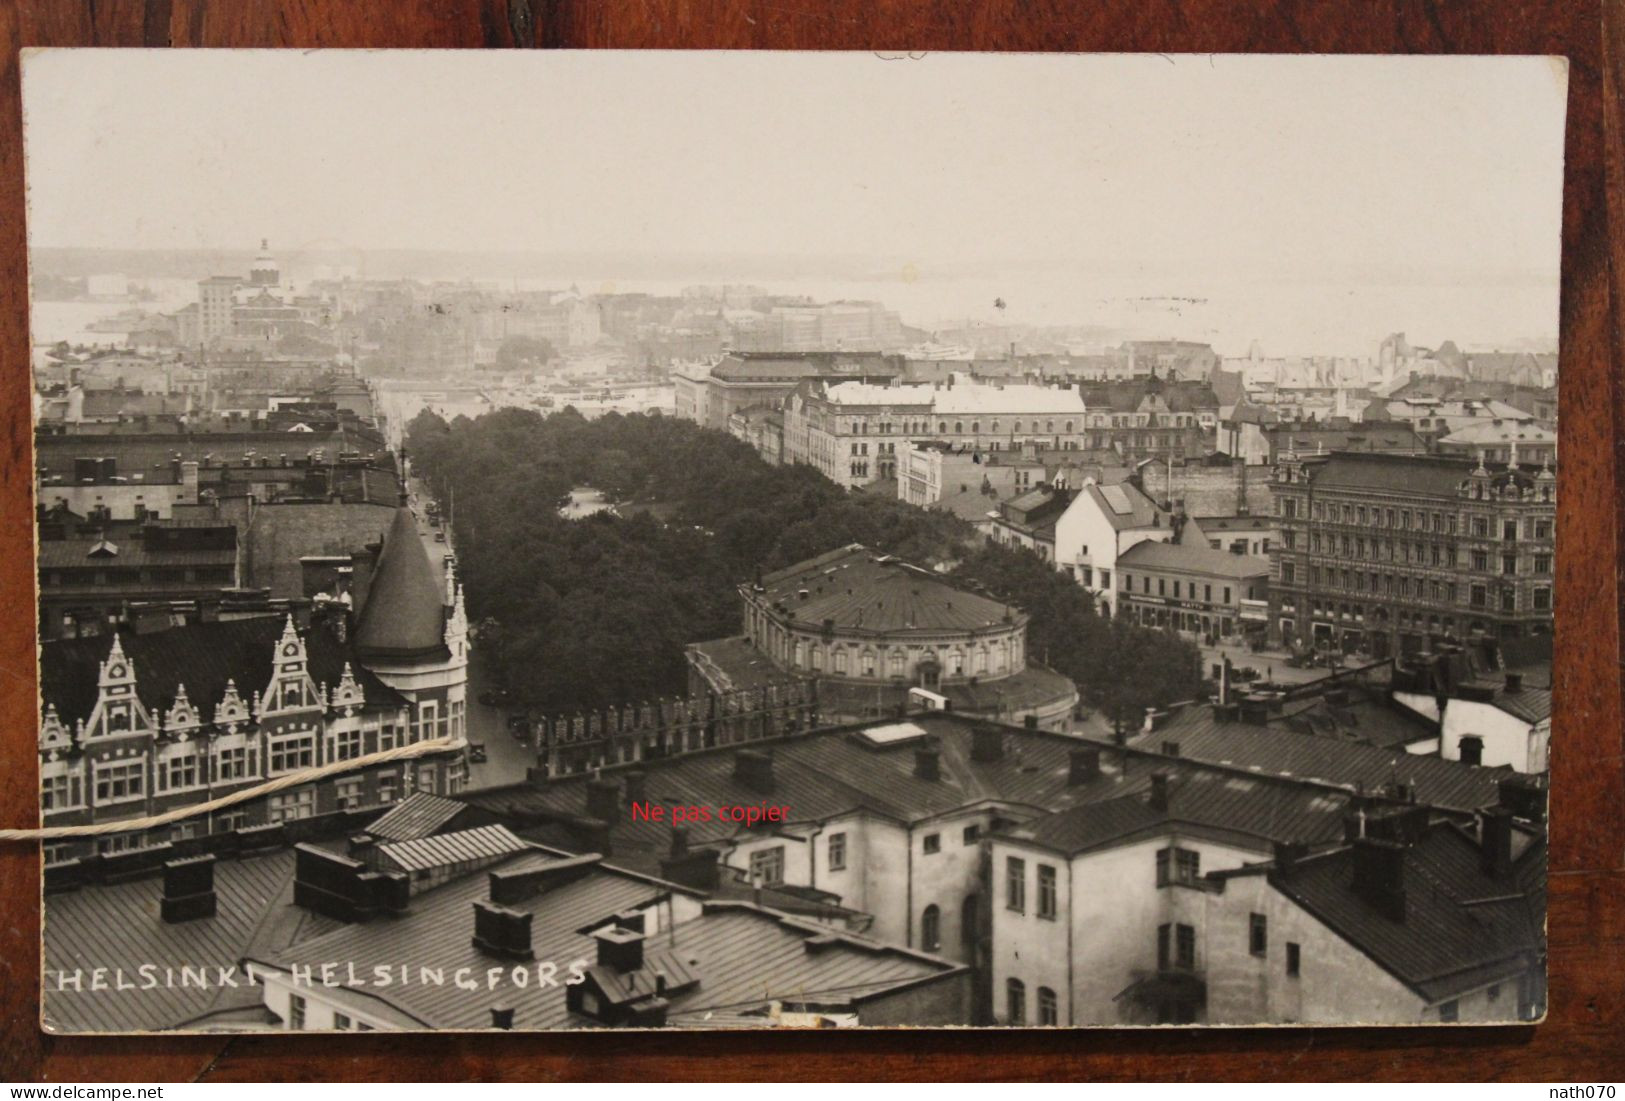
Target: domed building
264	272
870	629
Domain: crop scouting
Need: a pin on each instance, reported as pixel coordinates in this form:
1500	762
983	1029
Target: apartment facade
1382	553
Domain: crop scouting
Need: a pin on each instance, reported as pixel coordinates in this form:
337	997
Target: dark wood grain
1582	1038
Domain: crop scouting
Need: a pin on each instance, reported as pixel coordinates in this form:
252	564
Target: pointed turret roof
404	616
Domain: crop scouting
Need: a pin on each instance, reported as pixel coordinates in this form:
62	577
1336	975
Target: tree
519	351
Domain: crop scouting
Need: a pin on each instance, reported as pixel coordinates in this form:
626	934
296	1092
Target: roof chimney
1472	749
501	931
188	889
1084	765
1514	682
928	762
1495	841
1159	791
603	800
502	1016
1524	796
986	743
1379	875
754	769
619	948
636	783
1288	853
696	868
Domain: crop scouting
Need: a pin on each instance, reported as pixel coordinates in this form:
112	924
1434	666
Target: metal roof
446	849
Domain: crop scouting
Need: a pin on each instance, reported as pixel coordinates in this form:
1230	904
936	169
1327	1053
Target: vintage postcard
730	540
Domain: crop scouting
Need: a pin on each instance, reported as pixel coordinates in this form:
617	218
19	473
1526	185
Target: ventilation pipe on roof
188	889
1159	791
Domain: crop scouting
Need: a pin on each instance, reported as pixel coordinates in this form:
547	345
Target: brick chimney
986	743
1471	749
1379	875
188	889
501	931
928	762
1084	765
636	783
619	948
1159	791
1514	682
696	868
1495	842
754	769
502	1016
603	800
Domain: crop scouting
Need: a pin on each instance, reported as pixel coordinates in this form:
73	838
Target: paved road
1270	664
507	757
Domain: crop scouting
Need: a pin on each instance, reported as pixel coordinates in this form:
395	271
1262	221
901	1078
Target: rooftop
1124	505
858	589
1187	558
404	614
742	956
1463	928
203	657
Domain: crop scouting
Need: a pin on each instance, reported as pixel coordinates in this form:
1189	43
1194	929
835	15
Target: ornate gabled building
145	722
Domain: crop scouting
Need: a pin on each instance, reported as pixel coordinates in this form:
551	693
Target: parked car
519	724
439	537
476	752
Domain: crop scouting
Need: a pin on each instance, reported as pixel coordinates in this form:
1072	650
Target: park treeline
577	614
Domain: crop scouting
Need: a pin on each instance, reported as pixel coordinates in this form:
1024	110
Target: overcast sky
1198	175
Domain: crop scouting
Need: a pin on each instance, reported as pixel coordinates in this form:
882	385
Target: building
869	628
1501	441
1028	520
1383	553
1152	417
1237	534
152	720
763	429
895	826
1479	713
742	379
1194	901
851	431
1196	590
91	573
1100	524
553	941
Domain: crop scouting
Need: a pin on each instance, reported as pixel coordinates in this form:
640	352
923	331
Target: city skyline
1078	190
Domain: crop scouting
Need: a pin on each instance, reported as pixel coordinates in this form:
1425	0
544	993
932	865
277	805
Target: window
116	783
1509	564
767	866
349	793
296	1012
386	787
1176	865
1185	947
1543	563
1481	560
181	772
931	929
1477	596
1450	1011
1293	959
1258	934
1509	531
1015	992
933	843
1543	600
54	793
1049	1012
1046	891
1015	884
347	745
973	834
298	751
231	764
342	1022
293	804
837	851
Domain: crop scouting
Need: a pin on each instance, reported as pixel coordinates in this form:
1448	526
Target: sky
1300	199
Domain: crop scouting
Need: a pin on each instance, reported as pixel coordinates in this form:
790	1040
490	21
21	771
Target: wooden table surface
1582	1039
